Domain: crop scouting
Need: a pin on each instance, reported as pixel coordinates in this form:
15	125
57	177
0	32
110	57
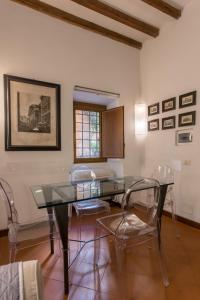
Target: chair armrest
32	280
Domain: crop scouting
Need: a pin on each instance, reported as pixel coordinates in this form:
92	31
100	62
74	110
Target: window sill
89	160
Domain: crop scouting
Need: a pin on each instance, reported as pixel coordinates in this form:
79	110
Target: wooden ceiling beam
72	19
165	7
119	16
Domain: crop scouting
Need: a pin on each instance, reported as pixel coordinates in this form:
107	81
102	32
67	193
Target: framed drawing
184	137
153	109
169	104
32	114
187	99
187	119
153	125
169	122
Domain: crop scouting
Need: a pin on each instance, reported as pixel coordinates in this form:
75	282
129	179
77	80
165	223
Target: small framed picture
187	99
153	125
168	123
184	137
187	119
153	109
169	104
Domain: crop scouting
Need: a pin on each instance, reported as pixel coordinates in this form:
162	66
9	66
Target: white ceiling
135	8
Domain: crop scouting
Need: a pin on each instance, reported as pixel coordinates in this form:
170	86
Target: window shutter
113	133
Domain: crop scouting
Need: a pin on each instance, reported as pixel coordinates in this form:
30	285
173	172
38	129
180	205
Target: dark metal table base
61	213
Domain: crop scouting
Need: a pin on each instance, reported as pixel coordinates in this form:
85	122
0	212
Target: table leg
51	227
163	192
61	213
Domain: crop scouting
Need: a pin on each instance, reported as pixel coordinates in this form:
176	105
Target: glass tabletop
68	192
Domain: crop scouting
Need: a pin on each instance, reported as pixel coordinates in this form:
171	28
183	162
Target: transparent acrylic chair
23	236
164	173
137	224
84	178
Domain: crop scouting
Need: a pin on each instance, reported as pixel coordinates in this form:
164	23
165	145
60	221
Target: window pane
85	127
78	152
97	153
86	119
93	136
87	134
86	152
78	118
94	152
79	187
79	135
85	143
79	143
93	127
97	144
93	143
93	119
78	126
98	117
86	112
86	194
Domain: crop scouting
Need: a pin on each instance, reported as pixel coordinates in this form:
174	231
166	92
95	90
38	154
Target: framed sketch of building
187	99
169	104
168	123
153	125
187	119
153	109
32	114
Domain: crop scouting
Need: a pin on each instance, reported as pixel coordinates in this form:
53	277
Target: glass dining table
58	196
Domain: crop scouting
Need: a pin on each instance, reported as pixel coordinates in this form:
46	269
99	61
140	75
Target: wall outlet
187	162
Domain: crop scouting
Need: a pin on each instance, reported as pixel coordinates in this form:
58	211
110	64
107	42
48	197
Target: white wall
170	66
39	47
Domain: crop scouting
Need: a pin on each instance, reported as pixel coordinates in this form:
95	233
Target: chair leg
120	255
173	210
79	233
12	253
165	278
80	230
97	244
123	287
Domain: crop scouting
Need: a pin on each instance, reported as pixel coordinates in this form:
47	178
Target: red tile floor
141	280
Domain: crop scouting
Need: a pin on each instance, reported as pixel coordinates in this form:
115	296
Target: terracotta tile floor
140	281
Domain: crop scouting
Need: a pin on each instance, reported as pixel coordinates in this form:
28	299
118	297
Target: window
87	132
85	190
98	133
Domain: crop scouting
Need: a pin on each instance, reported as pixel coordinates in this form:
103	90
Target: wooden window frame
88	107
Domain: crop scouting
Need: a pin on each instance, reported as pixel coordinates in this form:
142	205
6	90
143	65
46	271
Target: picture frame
187	99
153	125
32	115
153	109
184	137
187	119
169	104
168	123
